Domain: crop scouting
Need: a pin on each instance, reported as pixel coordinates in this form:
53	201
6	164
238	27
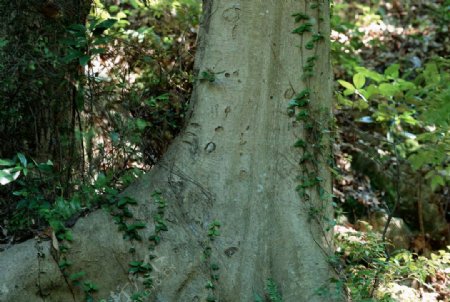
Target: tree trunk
234	163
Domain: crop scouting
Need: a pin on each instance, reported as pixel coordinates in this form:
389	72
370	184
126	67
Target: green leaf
22	159
317	37
370	74
433	155
96	51
300	144
78	28
209	284
359	80
64	263
136	225
388	90
272	291
344	101
73	54
302	115
392	71
154	238
302	95
68	235
141	124
114	8
45	167
300	16
405	85
431	74
207	76
371	90
123	23
3	43
292	103
309	45
347	85
407	118
135	263
83	60
302	103
7	162
89	286
436	181
77	276
136	4
108	23
306	27
146	267
125	200
133	269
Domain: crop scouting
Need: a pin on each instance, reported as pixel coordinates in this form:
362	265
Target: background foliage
127	70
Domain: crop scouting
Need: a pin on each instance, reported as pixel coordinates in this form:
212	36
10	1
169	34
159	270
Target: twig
397	199
390	216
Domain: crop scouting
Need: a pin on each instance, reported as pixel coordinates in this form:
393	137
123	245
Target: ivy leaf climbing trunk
245	212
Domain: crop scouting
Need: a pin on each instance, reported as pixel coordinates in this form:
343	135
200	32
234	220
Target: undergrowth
370	276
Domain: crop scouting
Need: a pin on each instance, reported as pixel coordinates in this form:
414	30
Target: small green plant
85	42
300	17
314	39
315	122
144	269
207	75
272	291
160	223
368	273
213	230
213	268
139	267
118	207
34	185
305	27
76	277
89	288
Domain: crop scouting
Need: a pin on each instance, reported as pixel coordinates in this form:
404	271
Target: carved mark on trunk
210	147
231	14
190	276
231	251
193	142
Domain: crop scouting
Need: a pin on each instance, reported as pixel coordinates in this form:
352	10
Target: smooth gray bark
233	163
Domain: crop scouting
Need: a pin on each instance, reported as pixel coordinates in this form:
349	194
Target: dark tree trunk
37	92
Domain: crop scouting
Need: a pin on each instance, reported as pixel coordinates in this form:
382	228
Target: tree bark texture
234	163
